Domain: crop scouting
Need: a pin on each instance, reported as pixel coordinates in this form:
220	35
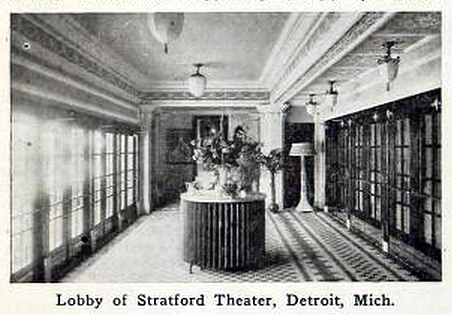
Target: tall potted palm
273	162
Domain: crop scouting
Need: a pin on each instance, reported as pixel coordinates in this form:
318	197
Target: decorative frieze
356	34
36	33
208	96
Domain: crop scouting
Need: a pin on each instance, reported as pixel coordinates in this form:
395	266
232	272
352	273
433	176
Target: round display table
223	233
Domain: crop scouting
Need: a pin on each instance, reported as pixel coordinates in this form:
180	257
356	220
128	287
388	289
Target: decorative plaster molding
269	109
292	37
66	78
29	90
201	105
30	29
208	96
213	85
312	47
319	27
202	110
360	31
408	83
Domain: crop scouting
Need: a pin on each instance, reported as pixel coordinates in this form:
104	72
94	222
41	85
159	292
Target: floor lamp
303	149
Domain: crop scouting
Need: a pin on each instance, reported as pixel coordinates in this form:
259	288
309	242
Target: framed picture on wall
178	149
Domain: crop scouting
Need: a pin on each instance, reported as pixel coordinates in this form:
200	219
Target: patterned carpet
299	247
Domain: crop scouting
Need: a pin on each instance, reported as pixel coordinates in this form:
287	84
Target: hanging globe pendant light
166	27
197	82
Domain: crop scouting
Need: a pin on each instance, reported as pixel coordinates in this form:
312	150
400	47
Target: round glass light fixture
197	82
388	65
331	95
311	105
166	27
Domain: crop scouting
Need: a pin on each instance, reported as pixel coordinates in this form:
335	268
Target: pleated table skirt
224	235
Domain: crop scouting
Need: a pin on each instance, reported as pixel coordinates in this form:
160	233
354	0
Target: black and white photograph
218	147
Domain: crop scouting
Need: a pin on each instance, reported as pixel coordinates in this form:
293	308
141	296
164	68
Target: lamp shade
197	83
166	26
301	149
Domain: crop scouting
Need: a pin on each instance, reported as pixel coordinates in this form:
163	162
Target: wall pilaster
272	121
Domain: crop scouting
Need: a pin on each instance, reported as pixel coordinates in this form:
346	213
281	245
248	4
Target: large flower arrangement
237	159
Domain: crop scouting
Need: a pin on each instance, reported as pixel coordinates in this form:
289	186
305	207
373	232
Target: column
272	122
319	163
145	169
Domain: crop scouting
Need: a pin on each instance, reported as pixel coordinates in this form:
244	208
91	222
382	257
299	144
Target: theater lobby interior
226	147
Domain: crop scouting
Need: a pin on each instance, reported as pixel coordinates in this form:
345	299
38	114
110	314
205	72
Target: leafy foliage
273	161
240	151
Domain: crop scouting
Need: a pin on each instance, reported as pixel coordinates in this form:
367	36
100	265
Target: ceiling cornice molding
201	110
104	54
65	78
423	54
426	54
327	32
352	37
253	96
38	56
181	86
215	106
46	34
298	29
52	97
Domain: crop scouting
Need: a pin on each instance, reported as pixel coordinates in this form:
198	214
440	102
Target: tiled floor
299	247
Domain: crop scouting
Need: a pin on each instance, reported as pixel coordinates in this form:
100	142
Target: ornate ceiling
263	57
406	29
234	47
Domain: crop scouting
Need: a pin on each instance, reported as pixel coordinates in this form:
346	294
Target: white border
411	298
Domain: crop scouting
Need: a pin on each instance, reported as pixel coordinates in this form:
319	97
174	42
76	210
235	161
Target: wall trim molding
66	79
359	28
415	62
291	38
197	105
36	31
55	98
243	95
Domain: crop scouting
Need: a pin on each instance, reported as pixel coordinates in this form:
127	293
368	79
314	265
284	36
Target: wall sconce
311	105
331	95
388	66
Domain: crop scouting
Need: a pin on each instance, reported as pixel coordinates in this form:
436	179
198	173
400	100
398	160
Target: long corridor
299	247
